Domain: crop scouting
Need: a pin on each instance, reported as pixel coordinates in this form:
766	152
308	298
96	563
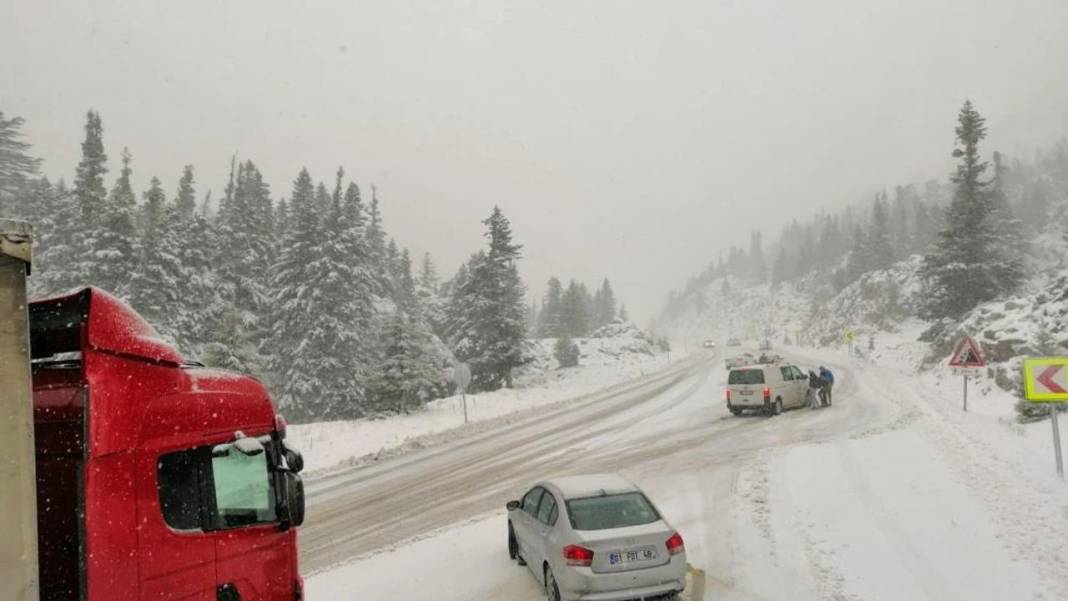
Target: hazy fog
632	140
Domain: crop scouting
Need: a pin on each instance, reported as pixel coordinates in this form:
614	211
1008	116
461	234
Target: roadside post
966	359
1046	381
18	494
461	375
850	336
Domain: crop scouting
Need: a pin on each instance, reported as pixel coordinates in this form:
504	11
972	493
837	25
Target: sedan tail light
675	544
578	556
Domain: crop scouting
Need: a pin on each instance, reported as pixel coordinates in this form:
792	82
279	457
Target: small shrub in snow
566	352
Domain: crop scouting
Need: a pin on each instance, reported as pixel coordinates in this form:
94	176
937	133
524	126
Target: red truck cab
157	479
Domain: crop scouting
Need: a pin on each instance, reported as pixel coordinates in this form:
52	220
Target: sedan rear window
611	511
746	376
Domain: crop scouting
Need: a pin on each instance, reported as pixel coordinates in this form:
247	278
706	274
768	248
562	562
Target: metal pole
1057	441
18	495
965	393
463	395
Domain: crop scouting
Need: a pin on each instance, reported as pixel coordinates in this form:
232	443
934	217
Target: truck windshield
243	489
746	376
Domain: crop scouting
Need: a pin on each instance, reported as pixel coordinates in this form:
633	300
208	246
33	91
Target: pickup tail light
578	556
675	544
767	394
728	395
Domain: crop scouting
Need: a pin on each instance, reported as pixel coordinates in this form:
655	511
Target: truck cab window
179	490
244	489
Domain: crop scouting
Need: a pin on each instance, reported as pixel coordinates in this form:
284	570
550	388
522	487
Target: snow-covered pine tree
155	201
17	167
362	284
154	289
860	259
245	253
113	256
376	238
970	263
606	305
550	323
295	364
432	298
428	274
566	352
91	199
185	200
89	181
56	252
779	269
900	236
490	324
575	310
1012	245
197	318
880	251
407	376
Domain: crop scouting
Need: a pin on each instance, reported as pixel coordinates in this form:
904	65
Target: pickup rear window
746	376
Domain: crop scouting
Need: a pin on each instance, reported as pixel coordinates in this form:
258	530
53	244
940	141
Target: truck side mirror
512	505
294	460
291	510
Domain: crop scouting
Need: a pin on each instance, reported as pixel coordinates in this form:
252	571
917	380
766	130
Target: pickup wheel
776	409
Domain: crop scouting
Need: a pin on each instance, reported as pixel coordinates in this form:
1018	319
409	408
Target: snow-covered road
882	496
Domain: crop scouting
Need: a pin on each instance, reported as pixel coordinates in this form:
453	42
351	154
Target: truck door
254	557
177	554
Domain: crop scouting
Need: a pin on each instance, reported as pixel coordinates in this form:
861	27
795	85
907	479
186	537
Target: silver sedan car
596	538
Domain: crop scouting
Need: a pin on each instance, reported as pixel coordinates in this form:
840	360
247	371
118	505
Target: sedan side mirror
512	505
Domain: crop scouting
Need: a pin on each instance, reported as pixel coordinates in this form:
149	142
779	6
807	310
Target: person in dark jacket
813	393
827	383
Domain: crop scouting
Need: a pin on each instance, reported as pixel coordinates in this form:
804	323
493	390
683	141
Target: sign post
966	357
461	375
1046	381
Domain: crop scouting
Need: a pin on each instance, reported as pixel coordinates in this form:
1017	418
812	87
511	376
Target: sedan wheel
552	592
513	546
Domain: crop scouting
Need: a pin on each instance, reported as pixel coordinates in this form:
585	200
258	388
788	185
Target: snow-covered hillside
617	353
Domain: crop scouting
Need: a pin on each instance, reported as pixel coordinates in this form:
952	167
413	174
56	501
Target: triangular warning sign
967	354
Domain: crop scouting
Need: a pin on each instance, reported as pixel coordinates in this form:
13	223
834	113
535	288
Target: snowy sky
627	139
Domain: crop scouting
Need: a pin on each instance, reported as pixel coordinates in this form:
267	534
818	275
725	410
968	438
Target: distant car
734	342
769	389
740	360
709	344
765	345
596	537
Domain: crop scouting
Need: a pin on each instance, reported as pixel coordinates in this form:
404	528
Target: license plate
619	558
745	392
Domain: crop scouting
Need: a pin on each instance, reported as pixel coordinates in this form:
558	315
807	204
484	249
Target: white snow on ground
462	563
929	503
604	362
